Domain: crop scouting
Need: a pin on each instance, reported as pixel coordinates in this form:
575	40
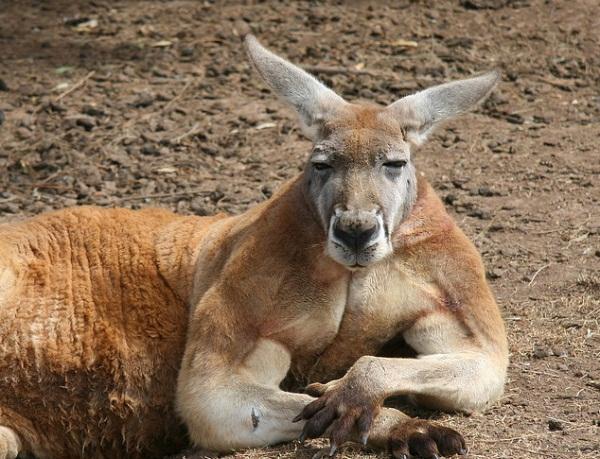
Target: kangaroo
117	324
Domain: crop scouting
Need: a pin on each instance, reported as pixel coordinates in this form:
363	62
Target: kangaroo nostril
345	237
354	237
365	236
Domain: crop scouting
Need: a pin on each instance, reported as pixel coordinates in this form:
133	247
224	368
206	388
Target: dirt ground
152	103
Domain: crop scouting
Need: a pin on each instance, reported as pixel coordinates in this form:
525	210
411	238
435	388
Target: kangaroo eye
397	164
320	166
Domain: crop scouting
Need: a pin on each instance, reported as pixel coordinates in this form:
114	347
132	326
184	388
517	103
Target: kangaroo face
361	183
359	179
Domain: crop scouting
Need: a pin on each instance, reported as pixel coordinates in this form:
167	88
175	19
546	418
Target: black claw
332	450
302	437
364	438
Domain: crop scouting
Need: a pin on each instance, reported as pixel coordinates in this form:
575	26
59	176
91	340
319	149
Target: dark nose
354	237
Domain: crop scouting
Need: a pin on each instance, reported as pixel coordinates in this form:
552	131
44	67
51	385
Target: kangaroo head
359	179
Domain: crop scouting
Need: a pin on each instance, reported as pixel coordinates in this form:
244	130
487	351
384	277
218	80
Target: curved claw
420	438
364	423
332	450
364	438
302	437
310	409
315	389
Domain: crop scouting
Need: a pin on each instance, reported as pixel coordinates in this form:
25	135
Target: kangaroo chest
391	293
372	308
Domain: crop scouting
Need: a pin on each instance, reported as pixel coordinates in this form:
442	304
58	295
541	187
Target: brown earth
155	104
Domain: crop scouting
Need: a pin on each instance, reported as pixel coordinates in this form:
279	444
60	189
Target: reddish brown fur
92	333
102	311
108	290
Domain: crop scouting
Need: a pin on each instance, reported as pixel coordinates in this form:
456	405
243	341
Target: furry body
119	327
95	302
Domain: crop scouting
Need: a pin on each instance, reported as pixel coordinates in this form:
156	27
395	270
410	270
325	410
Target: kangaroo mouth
358	265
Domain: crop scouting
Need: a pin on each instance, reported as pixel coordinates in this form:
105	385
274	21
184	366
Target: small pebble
92	110
198	206
450	198
487	192
267	190
143	100
216	196
493	273
554	425
515	118
23	133
10	208
86	122
481	214
150	149
209	150
559	352
187	51
541	352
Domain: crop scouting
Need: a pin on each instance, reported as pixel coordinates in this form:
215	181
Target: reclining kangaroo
114	323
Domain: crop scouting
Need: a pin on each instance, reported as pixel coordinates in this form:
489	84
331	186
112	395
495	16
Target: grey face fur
362	184
360	180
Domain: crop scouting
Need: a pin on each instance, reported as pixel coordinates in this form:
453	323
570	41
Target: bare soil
153	103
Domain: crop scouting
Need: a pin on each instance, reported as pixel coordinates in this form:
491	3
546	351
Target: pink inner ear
417	136
420	112
312	100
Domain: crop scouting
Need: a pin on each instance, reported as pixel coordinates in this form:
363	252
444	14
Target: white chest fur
391	291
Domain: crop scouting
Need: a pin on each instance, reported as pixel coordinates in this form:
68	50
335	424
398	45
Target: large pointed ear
419	112
313	101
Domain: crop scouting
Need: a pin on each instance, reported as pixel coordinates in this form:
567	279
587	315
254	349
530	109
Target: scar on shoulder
447	302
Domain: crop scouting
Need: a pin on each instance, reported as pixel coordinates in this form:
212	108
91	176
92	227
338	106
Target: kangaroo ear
420	112
313	101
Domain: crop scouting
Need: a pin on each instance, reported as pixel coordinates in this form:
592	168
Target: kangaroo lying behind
113	322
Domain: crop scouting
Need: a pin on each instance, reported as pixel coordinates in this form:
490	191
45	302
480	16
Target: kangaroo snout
358	238
354	229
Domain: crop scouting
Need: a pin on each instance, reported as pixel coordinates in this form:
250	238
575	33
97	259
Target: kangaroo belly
87	384
91	338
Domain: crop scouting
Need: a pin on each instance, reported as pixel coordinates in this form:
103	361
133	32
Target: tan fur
92	333
94	305
117	325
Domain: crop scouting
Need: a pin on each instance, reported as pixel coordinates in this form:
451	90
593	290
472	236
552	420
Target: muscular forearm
460	381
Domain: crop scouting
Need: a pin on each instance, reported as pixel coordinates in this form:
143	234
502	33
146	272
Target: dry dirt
153	103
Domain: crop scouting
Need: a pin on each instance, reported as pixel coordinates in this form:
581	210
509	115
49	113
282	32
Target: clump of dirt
154	104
